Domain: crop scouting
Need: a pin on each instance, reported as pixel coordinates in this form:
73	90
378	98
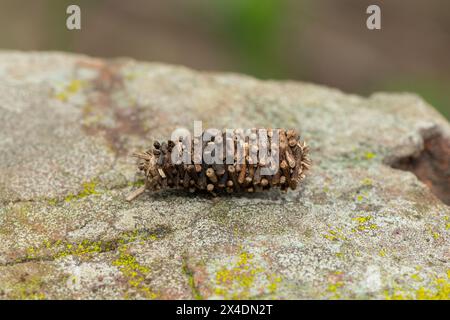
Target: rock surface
357	227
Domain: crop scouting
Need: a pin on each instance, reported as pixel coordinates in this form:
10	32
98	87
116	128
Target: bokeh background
321	41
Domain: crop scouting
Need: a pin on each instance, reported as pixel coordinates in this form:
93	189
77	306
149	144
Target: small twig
136	193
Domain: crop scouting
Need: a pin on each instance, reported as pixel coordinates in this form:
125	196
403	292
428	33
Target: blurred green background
321	41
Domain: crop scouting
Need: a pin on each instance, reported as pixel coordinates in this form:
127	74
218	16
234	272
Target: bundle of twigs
244	174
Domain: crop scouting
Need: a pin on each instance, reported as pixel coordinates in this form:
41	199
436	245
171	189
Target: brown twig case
244	175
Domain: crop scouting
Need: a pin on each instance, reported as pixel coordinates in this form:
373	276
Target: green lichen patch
359	157
86	249
191	281
30	281
28	288
88	189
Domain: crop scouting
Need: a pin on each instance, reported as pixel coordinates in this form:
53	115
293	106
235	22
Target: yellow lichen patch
85	248
447	223
88	188
335	283
30	252
367	182
382	252
369	155
243	279
74	86
364	223
60	249
134	272
361	196
335	235
333	287
71	88
61	96
435	234
362	220
273	283
52	202
416	277
127	264
439	289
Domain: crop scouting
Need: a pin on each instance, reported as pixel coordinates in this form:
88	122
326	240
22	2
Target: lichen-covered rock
370	220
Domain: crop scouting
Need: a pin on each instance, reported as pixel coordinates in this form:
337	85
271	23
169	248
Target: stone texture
357	227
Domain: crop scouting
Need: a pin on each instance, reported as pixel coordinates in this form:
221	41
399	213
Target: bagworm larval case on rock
238	162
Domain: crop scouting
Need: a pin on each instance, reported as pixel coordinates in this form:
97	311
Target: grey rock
360	226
